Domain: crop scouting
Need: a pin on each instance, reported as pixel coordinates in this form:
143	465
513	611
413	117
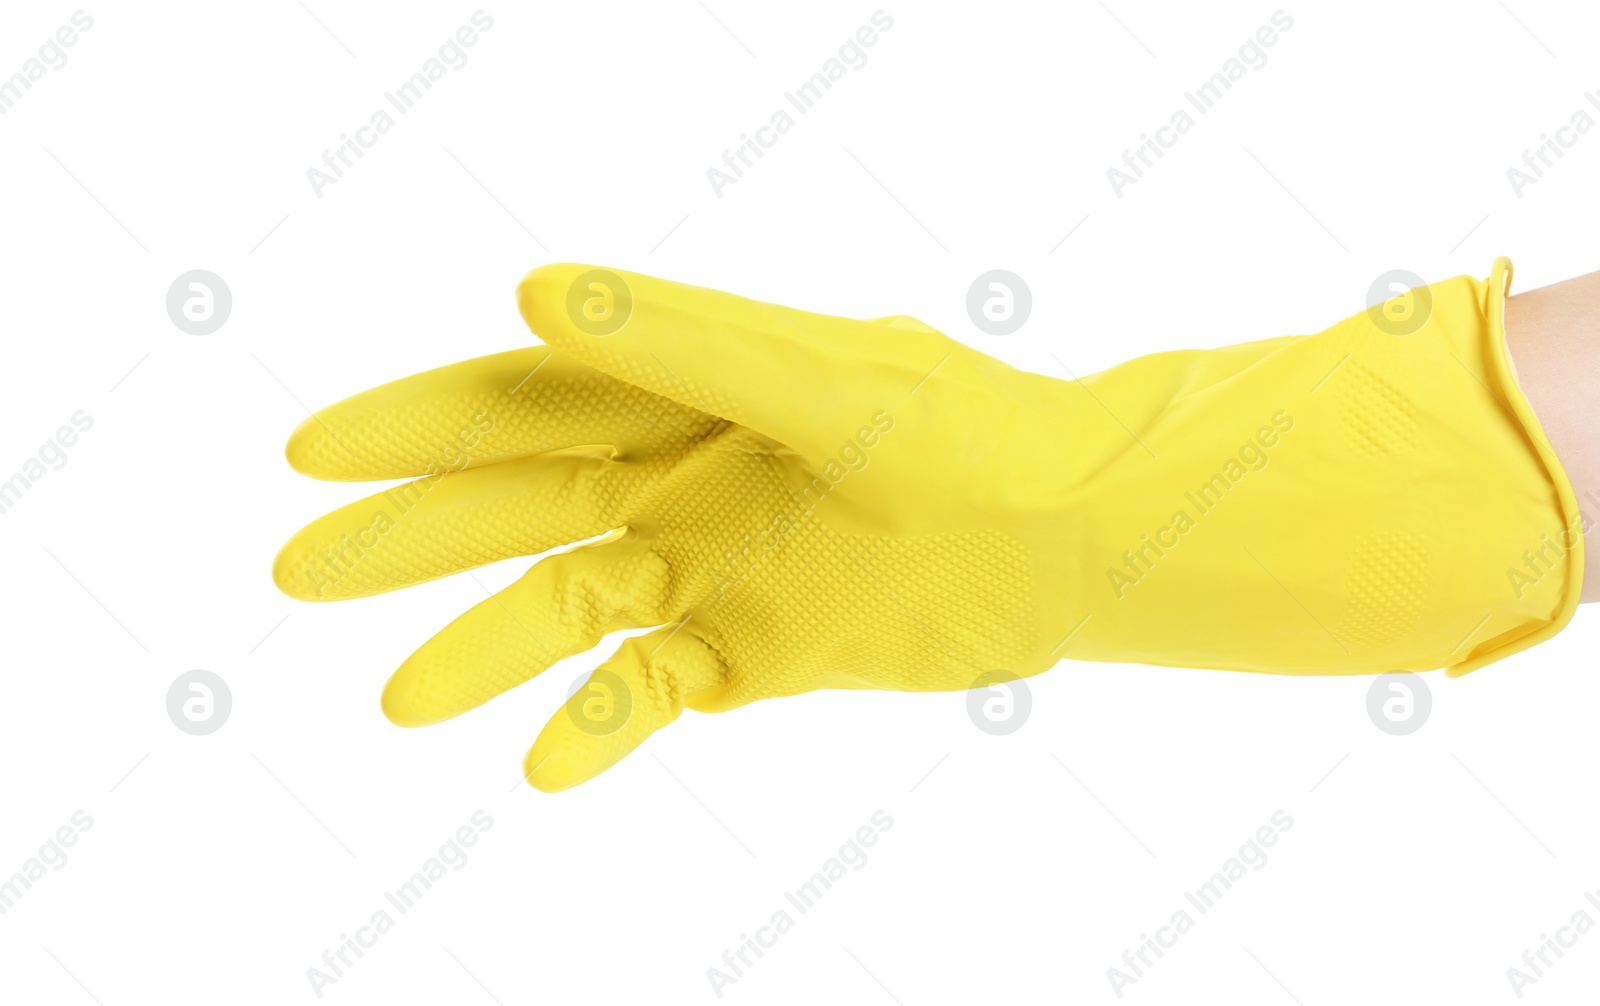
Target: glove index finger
800	378
485	411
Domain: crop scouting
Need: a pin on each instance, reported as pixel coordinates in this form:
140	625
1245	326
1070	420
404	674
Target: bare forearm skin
1554	337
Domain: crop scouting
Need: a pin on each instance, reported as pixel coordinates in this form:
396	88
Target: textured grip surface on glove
803	502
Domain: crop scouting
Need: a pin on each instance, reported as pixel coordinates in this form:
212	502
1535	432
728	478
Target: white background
1019	868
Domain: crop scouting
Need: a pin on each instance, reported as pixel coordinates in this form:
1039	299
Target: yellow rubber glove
800	501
